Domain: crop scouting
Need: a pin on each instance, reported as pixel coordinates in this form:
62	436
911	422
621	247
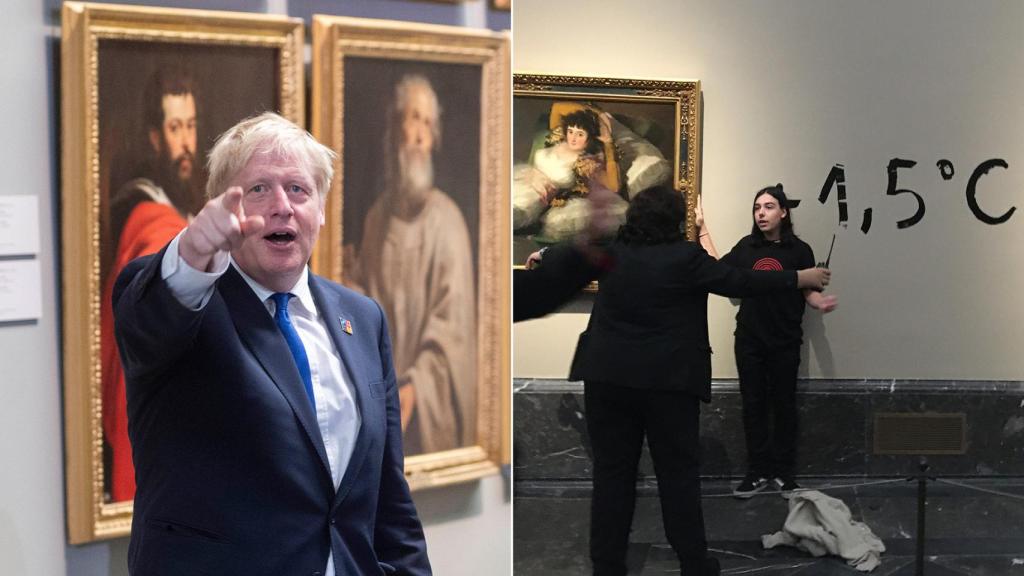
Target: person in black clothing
646	367
568	267
767	345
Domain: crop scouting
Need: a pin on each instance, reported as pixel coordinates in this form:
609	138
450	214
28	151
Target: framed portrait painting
418	220
571	133
145	91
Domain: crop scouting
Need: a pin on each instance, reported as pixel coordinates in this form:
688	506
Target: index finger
232	201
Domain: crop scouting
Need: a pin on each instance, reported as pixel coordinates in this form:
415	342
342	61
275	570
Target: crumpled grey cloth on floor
820	524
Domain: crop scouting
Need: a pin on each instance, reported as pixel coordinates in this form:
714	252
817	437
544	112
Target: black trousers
770	419
617	420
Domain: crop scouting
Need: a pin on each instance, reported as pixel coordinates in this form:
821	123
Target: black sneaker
751	484
787	486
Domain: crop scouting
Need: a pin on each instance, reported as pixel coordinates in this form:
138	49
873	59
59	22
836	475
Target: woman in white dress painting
551	189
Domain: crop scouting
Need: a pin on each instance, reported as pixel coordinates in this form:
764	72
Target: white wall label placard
20	290
19	225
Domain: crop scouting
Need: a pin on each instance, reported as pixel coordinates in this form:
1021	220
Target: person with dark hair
578	156
169	111
646	367
767	345
145	214
166	170
582	124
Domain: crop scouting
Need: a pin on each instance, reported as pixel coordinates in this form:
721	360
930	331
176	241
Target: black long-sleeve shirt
772	320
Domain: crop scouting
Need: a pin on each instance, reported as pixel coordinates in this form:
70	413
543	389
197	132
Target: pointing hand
220	226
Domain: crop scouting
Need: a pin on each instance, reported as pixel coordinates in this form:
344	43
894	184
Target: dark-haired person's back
650	327
646	366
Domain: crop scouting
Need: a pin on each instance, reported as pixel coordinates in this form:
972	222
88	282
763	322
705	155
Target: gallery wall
791	89
466	525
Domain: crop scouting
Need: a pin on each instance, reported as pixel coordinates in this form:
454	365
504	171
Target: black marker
829	259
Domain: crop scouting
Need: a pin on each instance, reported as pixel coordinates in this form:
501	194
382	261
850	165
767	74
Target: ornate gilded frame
336	42
84	25
683	95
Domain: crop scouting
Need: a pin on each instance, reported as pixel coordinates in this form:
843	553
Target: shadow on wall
450	503
815	339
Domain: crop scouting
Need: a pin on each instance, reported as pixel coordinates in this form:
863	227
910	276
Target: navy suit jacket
231	469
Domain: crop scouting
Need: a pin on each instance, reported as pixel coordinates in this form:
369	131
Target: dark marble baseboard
836	429
968	531
570	559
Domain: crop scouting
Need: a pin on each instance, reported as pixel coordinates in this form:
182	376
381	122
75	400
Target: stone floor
747	558
969	532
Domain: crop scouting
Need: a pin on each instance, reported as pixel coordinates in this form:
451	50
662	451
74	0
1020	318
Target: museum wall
463	523
794	91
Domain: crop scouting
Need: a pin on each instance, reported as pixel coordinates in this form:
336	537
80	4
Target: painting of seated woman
564	148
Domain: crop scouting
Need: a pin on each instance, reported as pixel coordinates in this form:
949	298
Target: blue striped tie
284	322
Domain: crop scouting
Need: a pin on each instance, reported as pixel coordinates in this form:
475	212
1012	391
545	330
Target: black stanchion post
922	499
917	434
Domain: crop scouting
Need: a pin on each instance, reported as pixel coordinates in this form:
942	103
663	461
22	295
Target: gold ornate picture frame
144	92
433	250
646	132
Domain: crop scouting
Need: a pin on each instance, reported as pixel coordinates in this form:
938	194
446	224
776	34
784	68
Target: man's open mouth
280	237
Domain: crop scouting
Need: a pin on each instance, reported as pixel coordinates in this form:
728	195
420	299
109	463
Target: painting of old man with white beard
415	258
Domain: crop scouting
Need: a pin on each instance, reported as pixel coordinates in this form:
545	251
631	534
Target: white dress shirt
337	414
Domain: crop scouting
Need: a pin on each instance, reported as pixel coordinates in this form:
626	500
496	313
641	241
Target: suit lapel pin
346	326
